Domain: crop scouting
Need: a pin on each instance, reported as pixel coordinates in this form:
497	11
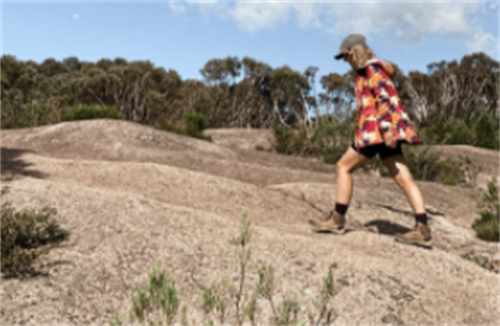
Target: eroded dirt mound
132	196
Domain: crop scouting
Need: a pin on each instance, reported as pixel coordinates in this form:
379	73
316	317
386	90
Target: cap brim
340	55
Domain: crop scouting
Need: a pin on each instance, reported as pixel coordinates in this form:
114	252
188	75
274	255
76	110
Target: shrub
283	136
487	226
426	164
25	235
456	131
482	131
195	124
486	129
331	139
157	303
95	112
328	141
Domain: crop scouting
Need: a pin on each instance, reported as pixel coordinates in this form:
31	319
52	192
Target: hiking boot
334	223
420	237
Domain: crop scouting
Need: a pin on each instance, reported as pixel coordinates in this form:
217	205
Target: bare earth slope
132	196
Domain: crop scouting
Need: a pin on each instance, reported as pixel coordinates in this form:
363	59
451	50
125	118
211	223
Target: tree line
235	93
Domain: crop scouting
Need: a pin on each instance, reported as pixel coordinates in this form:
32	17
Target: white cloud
484	42
178	7
252	17
76	16
406	23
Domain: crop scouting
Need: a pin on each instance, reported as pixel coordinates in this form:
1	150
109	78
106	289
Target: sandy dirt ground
132	196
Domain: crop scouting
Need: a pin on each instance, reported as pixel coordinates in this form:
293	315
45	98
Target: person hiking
382	126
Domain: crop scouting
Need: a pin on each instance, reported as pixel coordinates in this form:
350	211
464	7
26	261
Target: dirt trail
132	196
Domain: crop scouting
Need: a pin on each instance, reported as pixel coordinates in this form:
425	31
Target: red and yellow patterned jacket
378	106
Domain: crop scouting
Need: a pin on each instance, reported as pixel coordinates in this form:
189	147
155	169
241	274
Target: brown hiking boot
421	237
334	223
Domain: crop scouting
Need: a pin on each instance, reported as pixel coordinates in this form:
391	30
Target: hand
389	139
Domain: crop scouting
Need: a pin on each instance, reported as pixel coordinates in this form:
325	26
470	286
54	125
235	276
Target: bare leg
335	222
350	161
398	169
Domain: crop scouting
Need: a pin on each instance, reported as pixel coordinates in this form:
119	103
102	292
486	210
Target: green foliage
487	226
95	112
25	235
259	148
331	139
158	302
283	136
426	164
288	311
486	129
328	141
160	293
195	124
482	131
211	299
456	131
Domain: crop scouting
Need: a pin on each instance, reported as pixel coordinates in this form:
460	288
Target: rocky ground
132	196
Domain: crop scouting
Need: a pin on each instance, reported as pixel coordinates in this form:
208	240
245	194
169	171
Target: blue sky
184	35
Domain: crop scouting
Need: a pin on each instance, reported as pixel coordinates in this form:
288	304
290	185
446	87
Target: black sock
421	218
341	208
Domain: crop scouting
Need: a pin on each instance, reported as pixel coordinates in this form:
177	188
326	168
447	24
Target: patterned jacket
379	107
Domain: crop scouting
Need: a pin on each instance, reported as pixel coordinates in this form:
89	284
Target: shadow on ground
14	166
386	227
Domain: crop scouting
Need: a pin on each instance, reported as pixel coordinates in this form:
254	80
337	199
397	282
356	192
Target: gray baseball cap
349	42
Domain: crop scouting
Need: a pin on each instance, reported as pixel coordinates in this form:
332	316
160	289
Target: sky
184	35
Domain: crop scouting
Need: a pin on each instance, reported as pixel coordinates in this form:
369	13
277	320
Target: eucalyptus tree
217	71
250	99
287	89
339	95
310	74
72	63
50	67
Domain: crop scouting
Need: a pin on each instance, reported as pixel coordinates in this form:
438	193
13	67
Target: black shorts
381	149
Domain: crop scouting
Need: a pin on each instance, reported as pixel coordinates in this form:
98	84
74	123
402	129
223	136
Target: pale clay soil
132	196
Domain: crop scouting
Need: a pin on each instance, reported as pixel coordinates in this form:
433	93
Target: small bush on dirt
328	141
259	148
158	303
331	139
288	140
195	124
487	129
25	235
95	112
487	226
426	164
192	125
456	131
482	131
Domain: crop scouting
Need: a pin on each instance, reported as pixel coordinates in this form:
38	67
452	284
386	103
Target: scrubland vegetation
158	303
453	103
25	235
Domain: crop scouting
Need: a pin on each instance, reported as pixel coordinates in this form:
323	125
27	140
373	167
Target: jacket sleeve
381	90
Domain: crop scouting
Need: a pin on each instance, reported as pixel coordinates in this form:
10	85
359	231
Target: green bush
195	124
486	129
456	131
283	136
328	141
25	235
425	164
487	226
95	112
482	131
331	139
